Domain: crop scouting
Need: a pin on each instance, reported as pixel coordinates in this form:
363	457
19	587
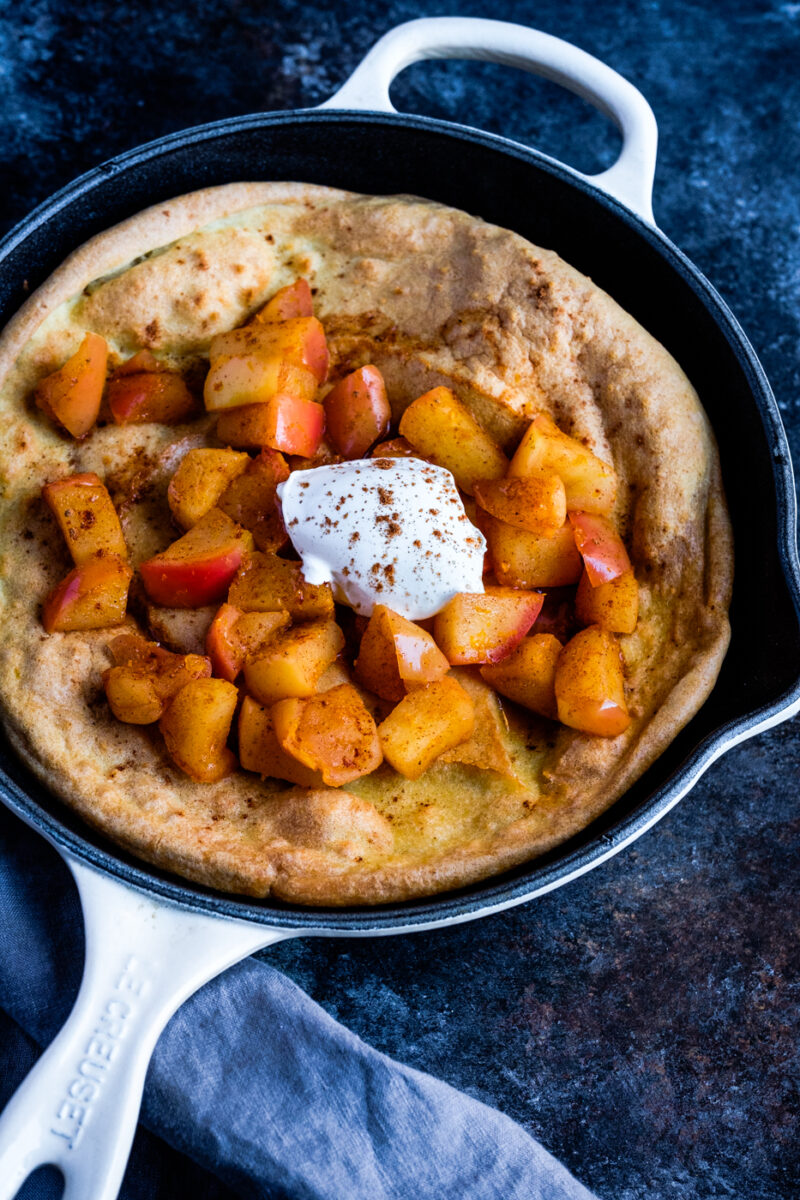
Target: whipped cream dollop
384	531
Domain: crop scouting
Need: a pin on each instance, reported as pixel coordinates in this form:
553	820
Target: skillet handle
630	179
77	1109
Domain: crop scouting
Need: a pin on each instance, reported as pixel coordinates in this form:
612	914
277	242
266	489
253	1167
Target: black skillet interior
520	189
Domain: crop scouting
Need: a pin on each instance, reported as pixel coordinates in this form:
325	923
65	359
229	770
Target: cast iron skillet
151	939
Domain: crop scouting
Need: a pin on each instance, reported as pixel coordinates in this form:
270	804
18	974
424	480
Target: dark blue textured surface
642	1023
255	1081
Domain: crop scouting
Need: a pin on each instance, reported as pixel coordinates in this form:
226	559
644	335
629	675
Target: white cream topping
384	531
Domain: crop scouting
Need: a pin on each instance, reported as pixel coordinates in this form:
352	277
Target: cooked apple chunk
537	503
247	427
484	627
524	560
299	341
613	606
357	411
93	596
153	395
235	636
332	733
196	726
291	424
86	516
132	695
138	691
198	568
72	394
440	427
600	546
590	684
293	661
251	499
200	480
294	300
131	649
426	723
590	483
397	655
295	426
254	379
266	583
260	750
528	674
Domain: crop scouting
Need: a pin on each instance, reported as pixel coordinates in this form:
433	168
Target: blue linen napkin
253	1082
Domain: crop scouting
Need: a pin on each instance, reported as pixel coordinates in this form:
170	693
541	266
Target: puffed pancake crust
431	296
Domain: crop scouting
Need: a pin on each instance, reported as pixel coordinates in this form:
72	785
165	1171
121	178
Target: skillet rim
540	875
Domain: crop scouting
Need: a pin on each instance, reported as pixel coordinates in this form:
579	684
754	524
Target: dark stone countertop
643	1021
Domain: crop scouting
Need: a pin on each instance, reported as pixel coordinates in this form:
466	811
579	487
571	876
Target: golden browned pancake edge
430	295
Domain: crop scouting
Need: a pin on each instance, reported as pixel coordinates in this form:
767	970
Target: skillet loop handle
77	1109
630	179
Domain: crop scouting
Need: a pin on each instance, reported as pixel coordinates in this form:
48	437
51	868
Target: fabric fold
256	1083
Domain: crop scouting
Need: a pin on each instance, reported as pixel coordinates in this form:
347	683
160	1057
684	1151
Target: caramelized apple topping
314	682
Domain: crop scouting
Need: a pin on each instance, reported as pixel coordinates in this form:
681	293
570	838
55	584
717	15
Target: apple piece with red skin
226	653
600	546
396	655
357	411
150	397
86	516
234	636
243	379
262	426
477	627
72	395
198	568
294	300
295	426
300	341
93	595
